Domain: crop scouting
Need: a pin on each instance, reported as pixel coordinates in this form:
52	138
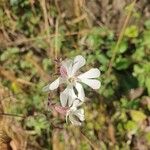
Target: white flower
69	75
76	116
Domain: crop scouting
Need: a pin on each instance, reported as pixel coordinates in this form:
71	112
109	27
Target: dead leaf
135	93
111	133
13	145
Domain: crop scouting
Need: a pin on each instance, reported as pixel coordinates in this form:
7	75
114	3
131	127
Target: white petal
68	65
64	97
76	103
46	88
80	90
74	121
75	116
80	114
93	83
67	96
92	73
72	96
66	117
52	86
79	61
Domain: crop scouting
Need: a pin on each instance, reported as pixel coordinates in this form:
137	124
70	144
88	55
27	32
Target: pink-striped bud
63	72
61	110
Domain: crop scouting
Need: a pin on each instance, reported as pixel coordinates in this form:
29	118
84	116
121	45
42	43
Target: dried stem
56	39
9	75
120	38
87	139
11	115
45	15
26	40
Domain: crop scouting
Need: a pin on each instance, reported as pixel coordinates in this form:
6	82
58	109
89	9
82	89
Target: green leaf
46	63
94	39
137	116
146	40
14	2
147	136
9	53
15	87
103	146
1	13
122	63
102	59
30	122
147	24
37	123
128	82
123	116
139	54
132	31
122	47
147	83
131	126
129	7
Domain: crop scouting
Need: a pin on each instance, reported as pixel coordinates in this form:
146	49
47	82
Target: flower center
71	80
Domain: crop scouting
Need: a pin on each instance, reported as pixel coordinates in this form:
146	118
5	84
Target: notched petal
54	85
79	61
92	73
93	83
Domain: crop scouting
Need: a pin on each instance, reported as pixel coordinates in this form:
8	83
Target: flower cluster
73	95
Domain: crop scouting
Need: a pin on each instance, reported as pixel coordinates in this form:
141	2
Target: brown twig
26	40
58	8
11	95
87	139
77	7
11	115
89	13
45	15
9	75
56	52
77	20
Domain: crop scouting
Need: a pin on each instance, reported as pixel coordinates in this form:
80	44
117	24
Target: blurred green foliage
110	104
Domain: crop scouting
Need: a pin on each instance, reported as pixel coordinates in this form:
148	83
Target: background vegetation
112	35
